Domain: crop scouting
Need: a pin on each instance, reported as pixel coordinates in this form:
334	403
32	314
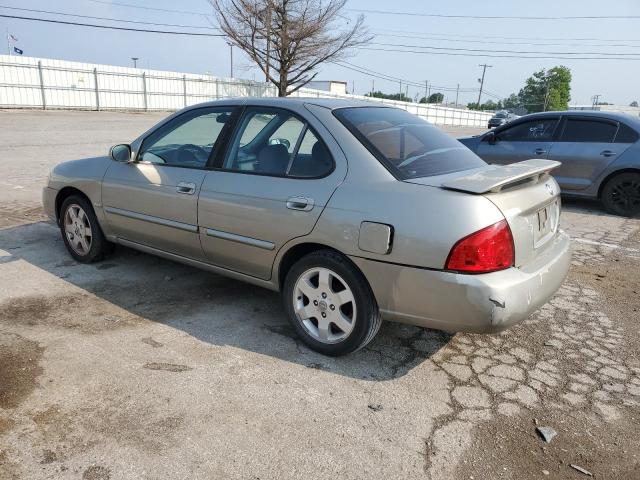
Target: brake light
484	251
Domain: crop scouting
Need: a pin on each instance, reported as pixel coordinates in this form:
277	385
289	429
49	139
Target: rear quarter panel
426	221
629	160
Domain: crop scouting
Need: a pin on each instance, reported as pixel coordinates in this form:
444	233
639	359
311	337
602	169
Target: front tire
621	194
330	304
81	231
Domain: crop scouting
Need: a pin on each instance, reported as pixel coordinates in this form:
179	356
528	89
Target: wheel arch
613	174
65	193
299	250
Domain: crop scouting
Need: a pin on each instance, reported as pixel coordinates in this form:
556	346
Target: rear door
521	141
586	146
278	174
154	200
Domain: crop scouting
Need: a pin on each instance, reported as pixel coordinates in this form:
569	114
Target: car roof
616	116
330	103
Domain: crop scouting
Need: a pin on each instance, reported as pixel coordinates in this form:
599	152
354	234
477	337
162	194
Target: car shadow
209	307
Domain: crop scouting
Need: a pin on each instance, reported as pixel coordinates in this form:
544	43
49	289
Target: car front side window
531	131
186	141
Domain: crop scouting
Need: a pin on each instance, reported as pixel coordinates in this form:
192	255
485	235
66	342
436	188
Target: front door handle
540	151
607	153
300	203
186	188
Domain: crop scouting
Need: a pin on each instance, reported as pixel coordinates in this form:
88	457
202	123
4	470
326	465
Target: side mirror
280	141
121	153
490	138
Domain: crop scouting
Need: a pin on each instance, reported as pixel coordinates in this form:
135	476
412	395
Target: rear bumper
49	202
473	303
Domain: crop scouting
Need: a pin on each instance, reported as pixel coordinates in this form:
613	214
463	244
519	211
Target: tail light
484	251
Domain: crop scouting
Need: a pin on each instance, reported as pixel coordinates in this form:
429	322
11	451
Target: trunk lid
525	193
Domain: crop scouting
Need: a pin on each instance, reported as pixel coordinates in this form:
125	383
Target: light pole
231	56
135	62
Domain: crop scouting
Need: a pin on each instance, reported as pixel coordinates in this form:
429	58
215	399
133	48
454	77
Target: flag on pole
18	51
12	37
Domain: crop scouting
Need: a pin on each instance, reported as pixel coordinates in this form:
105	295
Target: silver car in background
356	213
599	153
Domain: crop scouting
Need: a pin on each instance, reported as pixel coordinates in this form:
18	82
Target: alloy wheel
78	229
324	305
626	195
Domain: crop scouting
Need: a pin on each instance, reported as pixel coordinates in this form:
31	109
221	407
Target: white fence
27	82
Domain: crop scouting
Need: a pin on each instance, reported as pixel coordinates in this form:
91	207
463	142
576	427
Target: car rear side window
407	145
587	130
626	134
531	131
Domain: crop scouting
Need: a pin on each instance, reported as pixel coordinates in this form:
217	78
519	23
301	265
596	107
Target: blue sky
615	80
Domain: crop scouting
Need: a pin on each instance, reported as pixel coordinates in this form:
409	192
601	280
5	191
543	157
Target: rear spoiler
498	177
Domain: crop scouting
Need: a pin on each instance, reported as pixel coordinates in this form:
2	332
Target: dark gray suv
600	153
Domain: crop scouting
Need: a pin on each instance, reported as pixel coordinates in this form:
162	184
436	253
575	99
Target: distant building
635	111
331	86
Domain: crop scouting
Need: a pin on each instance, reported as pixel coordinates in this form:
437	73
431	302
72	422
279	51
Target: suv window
626	134
186	141
531	131
277	142
406	144
588	130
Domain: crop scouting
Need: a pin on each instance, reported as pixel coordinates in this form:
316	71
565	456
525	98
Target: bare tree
288	39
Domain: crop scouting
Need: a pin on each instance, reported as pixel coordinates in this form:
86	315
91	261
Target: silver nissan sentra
355	212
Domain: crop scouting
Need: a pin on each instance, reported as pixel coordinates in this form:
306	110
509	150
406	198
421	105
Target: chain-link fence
27	82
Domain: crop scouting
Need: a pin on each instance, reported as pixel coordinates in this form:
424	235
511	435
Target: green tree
488	105
433	98
512	102
401	97
547	90
634	103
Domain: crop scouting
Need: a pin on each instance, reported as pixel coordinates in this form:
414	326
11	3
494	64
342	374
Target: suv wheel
330	304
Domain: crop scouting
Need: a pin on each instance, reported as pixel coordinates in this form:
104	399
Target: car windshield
501	115
407	145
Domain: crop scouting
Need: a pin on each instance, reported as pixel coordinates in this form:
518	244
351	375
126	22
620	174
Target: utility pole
426	91
353	87
407	92
8	43
484	70
400	90
135	61
595	100
231	57
457	92
373	87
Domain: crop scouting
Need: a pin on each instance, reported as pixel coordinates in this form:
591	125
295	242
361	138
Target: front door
276	178
585	148
153	201
518	142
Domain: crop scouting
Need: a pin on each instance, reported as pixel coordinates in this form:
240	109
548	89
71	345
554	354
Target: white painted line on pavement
603	244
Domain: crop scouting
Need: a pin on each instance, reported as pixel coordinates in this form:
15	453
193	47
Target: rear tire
621	194
81	231
330	304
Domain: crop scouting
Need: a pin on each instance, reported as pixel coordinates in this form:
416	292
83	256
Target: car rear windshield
407	145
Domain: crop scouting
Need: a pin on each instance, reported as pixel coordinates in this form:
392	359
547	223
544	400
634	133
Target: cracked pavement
137	367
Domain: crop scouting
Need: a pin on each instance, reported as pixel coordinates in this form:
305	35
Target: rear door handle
300	203
607	153
186	188
540	151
